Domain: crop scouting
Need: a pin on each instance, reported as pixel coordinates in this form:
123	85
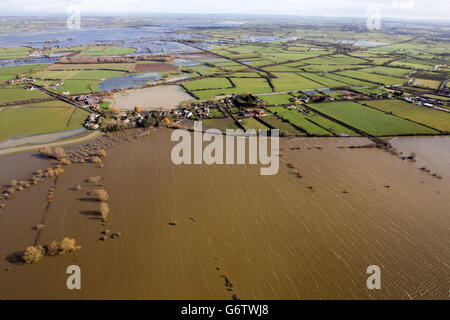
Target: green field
274	99
372	121
18	121
433	118
250	123
416	66
425	83
54	75
324	80
221	124
285	128
252	85
395	72
209	83
292	81
331	126
14	52
376	78
95	74
300	120
92	66
16	70
347	80
76	87
19	94
329	68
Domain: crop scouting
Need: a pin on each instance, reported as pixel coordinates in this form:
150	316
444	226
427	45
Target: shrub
57	153
114	110
65	161
101	153
52	248
67	245
46	151
99	194
95	180
104	211
95	159
33	254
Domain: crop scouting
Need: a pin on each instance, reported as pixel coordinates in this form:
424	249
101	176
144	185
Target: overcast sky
421	9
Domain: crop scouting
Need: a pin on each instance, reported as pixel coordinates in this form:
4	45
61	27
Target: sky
407	9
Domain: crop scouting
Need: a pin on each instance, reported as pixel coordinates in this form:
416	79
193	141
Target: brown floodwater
163	97
21	166
272	237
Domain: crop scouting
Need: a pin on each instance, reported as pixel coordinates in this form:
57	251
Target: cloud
430	9
403	4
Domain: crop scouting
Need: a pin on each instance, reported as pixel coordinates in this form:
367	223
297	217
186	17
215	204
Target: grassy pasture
95	74
209	83
93	66
285	128
347	80
322	79
369	120
300	120
76	86
14	52
433	118
292	81
379	61
243	85
274	99
250	123
329	67
19	94
395	72
16	70
432	84
282	68
57	75
376	78
253	85
245	75
18	121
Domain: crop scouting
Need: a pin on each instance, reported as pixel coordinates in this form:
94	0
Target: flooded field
188	232
128	81
165	97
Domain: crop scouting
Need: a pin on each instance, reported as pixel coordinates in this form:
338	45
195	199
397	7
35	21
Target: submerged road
51	144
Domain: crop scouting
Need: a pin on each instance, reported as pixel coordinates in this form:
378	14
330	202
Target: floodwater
14	63
364	43
155	38
165	97
21	166
129	81
272	237
431	152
